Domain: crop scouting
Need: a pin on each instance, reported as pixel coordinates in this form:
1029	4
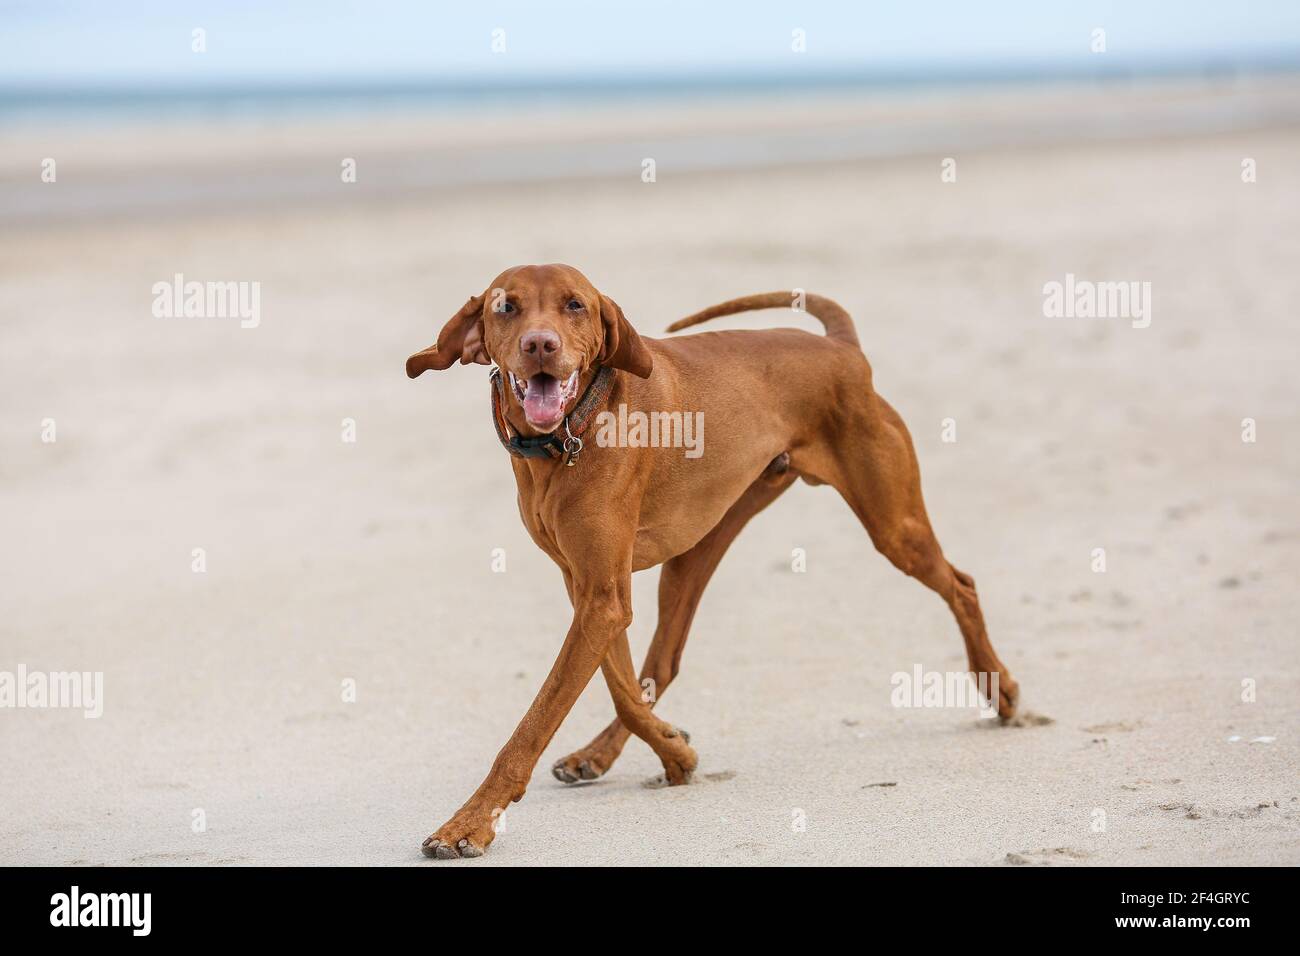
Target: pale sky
82	41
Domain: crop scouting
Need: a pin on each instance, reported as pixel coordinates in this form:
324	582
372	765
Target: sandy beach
1163	693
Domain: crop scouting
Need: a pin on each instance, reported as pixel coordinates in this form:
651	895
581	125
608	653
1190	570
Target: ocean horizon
128	100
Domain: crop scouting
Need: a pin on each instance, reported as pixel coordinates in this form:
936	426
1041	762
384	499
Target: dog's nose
539	343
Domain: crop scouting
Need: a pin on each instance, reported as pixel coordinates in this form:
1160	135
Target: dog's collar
566	448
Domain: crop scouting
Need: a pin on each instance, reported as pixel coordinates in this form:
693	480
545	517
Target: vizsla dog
779	404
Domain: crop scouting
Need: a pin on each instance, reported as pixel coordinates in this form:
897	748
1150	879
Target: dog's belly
656	545
691	500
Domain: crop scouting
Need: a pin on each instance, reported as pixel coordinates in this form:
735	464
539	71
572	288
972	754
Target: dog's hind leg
876	471
681	584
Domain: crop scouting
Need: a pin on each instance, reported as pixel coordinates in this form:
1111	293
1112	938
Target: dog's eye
506	307
574	305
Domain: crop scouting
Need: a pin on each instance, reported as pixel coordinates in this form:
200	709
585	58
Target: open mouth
543	398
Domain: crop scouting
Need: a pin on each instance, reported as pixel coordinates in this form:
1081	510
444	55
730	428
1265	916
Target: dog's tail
839	325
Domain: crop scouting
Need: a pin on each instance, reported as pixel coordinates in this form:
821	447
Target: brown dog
780	404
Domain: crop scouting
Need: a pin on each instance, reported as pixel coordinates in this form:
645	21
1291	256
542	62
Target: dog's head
548	328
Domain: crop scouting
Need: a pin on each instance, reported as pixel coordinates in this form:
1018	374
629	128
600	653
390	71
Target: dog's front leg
602	610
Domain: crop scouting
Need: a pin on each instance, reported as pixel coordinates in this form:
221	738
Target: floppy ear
623	348
461	338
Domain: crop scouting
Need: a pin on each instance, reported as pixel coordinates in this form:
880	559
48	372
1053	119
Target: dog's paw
1008	698
576	768
591	762
679	764
464	835
679	778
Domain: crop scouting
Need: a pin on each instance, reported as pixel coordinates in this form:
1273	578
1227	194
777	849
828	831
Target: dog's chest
539	530
537	517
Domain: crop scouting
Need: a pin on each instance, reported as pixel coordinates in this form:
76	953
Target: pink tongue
542	403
